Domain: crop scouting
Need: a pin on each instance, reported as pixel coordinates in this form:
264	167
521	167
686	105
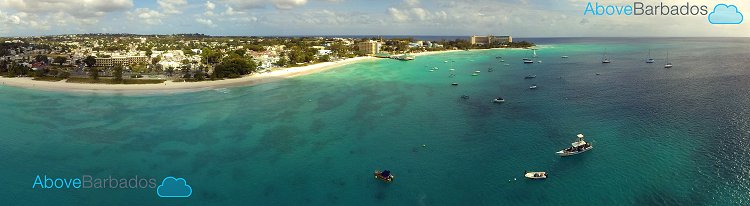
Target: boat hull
563	153
536	175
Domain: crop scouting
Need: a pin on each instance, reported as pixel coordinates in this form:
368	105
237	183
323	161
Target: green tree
94	73
42	58
90	61
149	53
117	73
60	60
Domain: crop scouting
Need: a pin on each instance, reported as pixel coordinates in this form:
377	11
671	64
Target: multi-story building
121	60
369	47
483	40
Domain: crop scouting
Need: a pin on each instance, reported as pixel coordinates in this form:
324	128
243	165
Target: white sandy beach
178	87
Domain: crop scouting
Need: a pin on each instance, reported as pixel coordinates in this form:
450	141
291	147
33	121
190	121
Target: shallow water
662	136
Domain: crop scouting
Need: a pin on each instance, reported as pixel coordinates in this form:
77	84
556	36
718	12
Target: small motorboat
454	84
506	65
477	71
502	60
540	61
530	77
606	61
528	61
578	147
474	74
533	86
535	175
385	175
564	57
446	61
465	97
498	57
498	100
452	69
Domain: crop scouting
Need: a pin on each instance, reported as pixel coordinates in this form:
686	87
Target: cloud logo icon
174	187
725	14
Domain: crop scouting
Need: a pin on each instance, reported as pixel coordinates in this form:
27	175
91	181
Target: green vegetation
112	81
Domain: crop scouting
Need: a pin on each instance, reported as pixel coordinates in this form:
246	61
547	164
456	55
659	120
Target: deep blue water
662	136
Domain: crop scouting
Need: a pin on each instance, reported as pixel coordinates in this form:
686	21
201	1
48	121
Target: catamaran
649	60
605	60
669	64
578	147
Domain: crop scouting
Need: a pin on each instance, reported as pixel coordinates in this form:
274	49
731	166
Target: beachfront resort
156	59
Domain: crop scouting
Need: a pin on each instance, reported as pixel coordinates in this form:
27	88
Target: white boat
535	175
454	84
502	60
477	71
533	86
540	61
528	62
669	64
605	60
650	60
578	147
534	56
498	100
474	74
564	57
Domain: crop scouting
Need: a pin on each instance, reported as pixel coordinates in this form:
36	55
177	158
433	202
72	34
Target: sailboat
650	60
535	55
528	61
605	60
669	64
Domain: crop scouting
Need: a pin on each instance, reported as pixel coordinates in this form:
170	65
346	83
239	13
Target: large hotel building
483	40
124	61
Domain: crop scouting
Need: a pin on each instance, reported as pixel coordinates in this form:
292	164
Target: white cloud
398	15
207	22
210	5
172	6
148	16
77	8
411	2
243	5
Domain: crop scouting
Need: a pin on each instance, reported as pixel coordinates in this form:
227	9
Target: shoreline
169	87
177	87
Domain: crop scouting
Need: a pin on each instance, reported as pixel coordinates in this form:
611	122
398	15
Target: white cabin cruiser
578	147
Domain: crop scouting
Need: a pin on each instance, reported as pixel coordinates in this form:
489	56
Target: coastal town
154	59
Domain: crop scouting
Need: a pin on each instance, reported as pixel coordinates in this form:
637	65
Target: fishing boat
605	60
385	175
577	147
498	100
649	60
535	175
668	64
533	86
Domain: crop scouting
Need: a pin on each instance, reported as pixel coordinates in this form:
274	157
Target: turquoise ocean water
675	136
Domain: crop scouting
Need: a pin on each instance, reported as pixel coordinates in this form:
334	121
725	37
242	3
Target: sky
519	18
